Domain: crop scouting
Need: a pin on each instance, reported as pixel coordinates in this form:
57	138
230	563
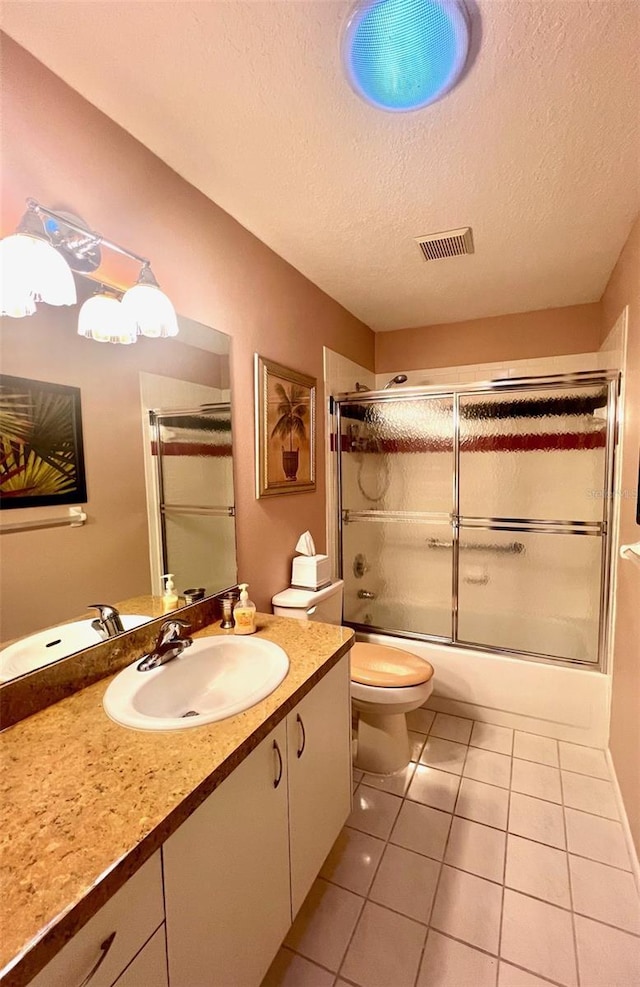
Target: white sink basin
45	647
213	678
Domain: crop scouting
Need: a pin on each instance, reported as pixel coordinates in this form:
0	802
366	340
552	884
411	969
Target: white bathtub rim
557	701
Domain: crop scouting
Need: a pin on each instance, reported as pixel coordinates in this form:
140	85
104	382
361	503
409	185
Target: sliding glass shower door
194	468
396	475
479	516
532	474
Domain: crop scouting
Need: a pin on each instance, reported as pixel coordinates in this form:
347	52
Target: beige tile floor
496	859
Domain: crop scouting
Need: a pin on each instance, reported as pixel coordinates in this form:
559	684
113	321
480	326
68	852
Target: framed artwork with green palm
285	430
41	451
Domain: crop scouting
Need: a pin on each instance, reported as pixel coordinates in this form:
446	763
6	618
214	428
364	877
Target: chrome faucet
108	623
172	640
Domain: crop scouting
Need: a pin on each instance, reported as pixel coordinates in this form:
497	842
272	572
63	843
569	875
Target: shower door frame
156	420
602	528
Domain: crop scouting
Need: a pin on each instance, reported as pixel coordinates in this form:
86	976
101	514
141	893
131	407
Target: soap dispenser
244	612
170	598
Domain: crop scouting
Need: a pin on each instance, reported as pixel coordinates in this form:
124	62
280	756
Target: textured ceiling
538	148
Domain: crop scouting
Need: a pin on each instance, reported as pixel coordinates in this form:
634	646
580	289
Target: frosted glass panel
196	458
398	455
527	591
534	454
201	551
406	576
197	493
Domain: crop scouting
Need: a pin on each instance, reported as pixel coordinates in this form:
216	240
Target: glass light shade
102	318
404	54
150	311
33	271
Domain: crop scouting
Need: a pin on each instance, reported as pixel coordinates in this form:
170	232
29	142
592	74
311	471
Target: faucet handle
108	622
104	609
172	630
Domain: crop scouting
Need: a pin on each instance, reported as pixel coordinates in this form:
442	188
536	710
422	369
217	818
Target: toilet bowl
386	683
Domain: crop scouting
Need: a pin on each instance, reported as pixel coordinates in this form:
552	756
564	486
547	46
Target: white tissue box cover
311	571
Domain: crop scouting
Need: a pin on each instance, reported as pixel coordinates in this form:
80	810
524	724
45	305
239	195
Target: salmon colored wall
61	150
624	289
524	336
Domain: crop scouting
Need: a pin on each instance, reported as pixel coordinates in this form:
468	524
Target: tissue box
311	572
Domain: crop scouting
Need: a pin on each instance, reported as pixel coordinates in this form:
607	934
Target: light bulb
148	308
102	318
33	271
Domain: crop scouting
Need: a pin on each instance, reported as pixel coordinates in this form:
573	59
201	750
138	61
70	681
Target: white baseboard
624	819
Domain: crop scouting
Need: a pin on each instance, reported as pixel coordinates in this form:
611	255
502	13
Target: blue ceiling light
404	54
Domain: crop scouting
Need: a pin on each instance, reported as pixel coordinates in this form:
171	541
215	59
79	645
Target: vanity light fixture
37	264
148	309
103	318
33	270
402	55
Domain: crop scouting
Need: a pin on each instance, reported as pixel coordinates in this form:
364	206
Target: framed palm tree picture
41	451
285	430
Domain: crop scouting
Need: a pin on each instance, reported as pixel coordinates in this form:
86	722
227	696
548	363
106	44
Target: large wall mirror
159	488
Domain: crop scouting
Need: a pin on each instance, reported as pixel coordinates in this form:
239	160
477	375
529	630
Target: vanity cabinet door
226	872
110	940
319	761
149	968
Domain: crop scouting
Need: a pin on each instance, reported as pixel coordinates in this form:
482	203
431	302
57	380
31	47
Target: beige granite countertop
84	801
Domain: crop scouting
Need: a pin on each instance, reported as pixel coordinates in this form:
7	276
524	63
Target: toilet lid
376	664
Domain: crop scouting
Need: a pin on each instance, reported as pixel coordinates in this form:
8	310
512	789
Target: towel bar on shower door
511	547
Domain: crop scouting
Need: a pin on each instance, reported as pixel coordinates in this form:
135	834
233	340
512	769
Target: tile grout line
366	897
544	980
442	864
289	949
569	881
504	863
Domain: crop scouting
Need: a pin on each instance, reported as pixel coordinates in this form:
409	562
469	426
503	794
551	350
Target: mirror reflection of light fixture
102	318
37	264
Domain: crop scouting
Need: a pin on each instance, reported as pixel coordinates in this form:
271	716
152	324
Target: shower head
398	379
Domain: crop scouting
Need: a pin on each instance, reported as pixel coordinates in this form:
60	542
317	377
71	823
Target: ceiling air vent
451	243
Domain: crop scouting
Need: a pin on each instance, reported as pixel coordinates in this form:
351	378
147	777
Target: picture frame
285	429
41	447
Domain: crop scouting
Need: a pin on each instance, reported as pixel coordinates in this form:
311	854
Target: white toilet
386	683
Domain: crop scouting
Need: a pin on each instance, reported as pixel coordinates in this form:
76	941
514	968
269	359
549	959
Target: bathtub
567	703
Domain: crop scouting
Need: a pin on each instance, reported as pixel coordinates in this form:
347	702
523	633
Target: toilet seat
384	667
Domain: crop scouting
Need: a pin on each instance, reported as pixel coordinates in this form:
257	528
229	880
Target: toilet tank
323	604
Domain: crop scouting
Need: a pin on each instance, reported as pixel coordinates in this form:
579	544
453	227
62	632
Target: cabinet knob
104	950
303	736
277	779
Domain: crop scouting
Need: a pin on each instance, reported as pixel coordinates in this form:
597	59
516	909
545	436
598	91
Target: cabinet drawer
133	913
